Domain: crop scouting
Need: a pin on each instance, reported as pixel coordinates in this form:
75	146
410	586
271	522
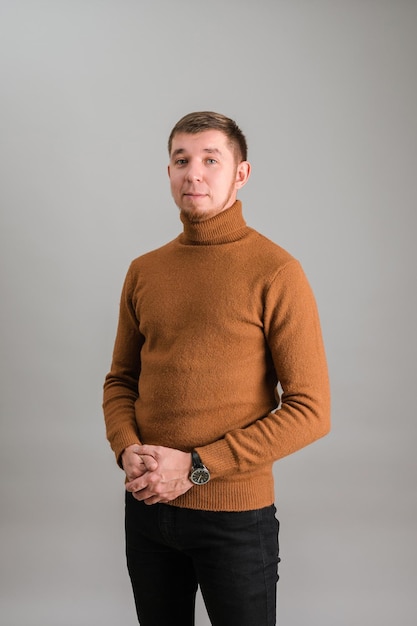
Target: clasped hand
156	473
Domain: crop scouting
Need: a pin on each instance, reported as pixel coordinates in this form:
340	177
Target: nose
194	171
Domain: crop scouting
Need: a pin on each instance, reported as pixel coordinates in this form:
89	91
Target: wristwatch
199	474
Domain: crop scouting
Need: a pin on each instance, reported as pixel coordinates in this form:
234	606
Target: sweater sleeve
293	334
121	383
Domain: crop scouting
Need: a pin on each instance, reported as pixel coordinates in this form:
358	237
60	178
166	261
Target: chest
199	293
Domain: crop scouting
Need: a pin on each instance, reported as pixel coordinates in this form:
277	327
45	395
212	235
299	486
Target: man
209	325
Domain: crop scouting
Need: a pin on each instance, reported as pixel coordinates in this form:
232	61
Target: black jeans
232	556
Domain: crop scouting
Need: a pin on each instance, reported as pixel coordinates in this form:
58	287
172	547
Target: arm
153	473
293	334
121	383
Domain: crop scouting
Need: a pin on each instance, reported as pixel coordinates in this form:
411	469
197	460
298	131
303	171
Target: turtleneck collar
225	227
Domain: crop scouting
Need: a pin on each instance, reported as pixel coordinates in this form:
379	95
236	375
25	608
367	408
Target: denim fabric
232	556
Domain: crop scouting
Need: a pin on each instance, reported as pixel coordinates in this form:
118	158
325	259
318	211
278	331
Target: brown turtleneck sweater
209	324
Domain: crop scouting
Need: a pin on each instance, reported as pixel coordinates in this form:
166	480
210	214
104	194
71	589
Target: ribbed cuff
124	438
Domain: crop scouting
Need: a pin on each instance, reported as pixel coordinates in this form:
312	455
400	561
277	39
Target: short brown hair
200	121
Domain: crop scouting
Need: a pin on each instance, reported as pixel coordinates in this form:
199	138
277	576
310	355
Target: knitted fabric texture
209	324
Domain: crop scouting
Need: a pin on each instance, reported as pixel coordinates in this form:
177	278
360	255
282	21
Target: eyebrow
206	150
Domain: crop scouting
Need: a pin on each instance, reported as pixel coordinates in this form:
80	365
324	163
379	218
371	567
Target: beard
196	212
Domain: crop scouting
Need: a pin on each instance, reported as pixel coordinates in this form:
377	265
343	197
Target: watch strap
196	460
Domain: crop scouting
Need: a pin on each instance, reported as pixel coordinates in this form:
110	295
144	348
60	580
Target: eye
180	162
211	161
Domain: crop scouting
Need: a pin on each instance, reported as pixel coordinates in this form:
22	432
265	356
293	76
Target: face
204	174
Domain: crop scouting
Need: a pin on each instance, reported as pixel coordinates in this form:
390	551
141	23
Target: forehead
206	141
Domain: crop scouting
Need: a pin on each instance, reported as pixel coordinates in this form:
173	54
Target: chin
194	214
197	216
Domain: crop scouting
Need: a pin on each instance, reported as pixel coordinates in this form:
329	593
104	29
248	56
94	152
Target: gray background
326	94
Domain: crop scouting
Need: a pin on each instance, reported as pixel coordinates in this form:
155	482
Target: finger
145	496
149	462
148	449
152	500
134	475
137	484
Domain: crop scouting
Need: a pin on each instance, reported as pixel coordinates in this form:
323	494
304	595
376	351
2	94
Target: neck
225	227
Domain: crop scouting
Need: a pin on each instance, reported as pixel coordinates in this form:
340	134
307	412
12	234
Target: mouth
191	194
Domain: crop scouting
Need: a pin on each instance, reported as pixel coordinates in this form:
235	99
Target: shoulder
281	272
267	246
268	254
152	257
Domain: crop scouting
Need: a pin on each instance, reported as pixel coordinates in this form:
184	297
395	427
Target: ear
242	174
169	171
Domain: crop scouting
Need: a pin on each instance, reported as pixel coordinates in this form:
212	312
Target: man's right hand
136	465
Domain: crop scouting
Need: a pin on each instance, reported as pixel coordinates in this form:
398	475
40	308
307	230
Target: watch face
200	476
